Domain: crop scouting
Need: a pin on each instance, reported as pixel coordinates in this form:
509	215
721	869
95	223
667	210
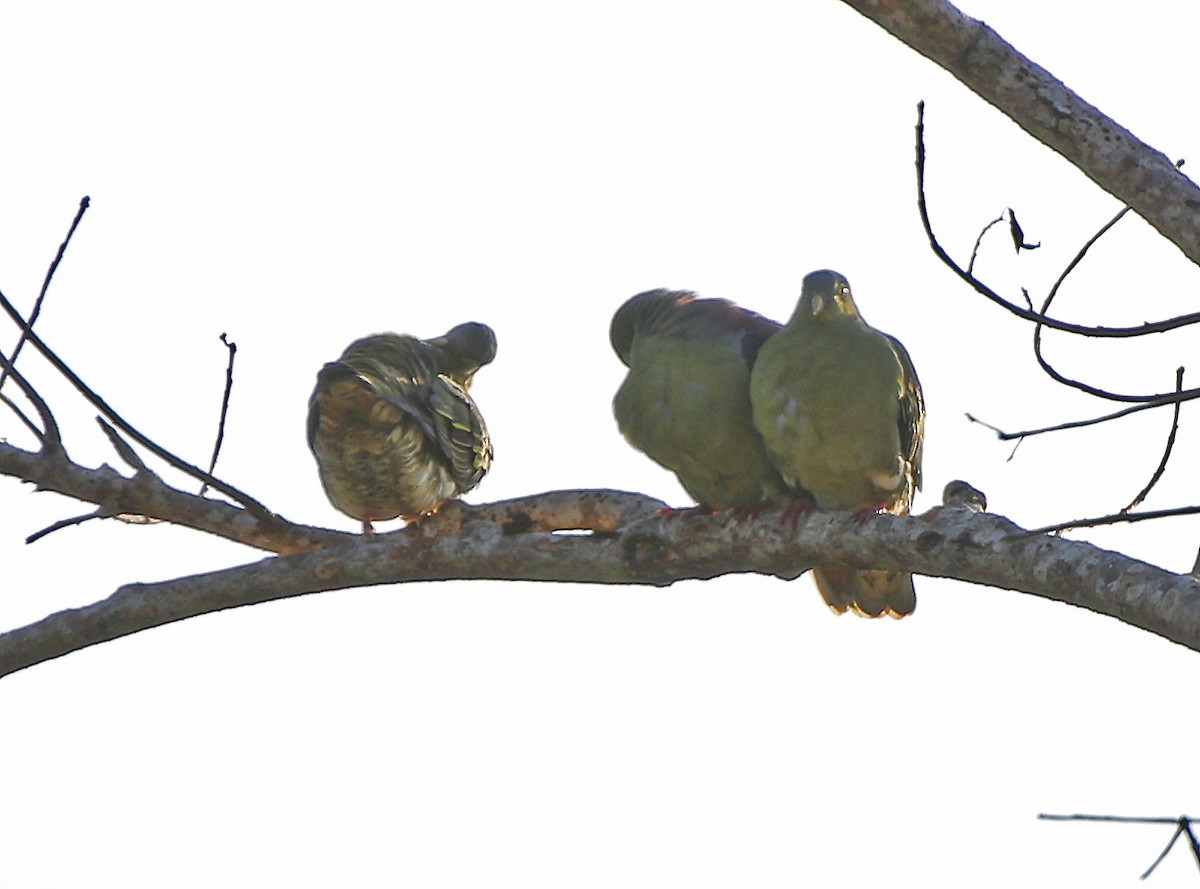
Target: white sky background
299	176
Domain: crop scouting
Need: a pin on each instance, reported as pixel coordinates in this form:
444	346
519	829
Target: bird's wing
459	431
912	412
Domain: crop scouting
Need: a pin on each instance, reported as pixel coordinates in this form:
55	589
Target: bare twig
1027	313
1183	826
147	495
1163	854
1038	102
126	453
1042	816
258	509
1116	518
1170	446
1053	373
979	240
37	305
122	447
1073	424
1078	258
1192	839
212	464
12	405
67	523
49	435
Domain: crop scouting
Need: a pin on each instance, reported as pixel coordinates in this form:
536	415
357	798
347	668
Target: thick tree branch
658	550
145	494
1040	104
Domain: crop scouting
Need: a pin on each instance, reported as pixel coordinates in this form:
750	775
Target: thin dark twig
999	432
1000	435
37	305
1116	518
117	420
1183	825
29	424
1163	854
1013	452
1040	318
1075	424
122	447
1162	464
1126	819
1192	840
979	240
98	513
66	523
985	291
49	436
1038	326
1082	253
212	464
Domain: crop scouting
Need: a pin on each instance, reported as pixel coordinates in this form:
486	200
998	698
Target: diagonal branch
1163	854
37	303
122	424
49	434
1026	313
146	494
1039	103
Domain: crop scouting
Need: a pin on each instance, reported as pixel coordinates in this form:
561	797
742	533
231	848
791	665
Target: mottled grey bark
514	540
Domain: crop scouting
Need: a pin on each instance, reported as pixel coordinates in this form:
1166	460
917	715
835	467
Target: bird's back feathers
392	427
685	402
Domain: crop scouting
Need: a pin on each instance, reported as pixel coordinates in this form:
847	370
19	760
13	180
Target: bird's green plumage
840	409
685	402
392	427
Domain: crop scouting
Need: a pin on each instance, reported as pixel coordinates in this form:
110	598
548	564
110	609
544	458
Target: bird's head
466	348
644	312
826	294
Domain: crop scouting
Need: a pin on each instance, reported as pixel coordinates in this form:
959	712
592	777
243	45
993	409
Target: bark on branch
1044	107
507	542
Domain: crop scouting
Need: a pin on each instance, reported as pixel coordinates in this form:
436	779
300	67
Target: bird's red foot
796	510
681	511
748	511
861	514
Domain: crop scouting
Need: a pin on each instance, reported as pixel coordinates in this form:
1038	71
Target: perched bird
961	495
685	402
392	426
840	409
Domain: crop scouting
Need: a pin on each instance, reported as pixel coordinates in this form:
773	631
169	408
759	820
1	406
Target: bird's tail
866	593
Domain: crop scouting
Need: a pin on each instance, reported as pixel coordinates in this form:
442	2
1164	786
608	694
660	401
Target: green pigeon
840	409
685	402
394	432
